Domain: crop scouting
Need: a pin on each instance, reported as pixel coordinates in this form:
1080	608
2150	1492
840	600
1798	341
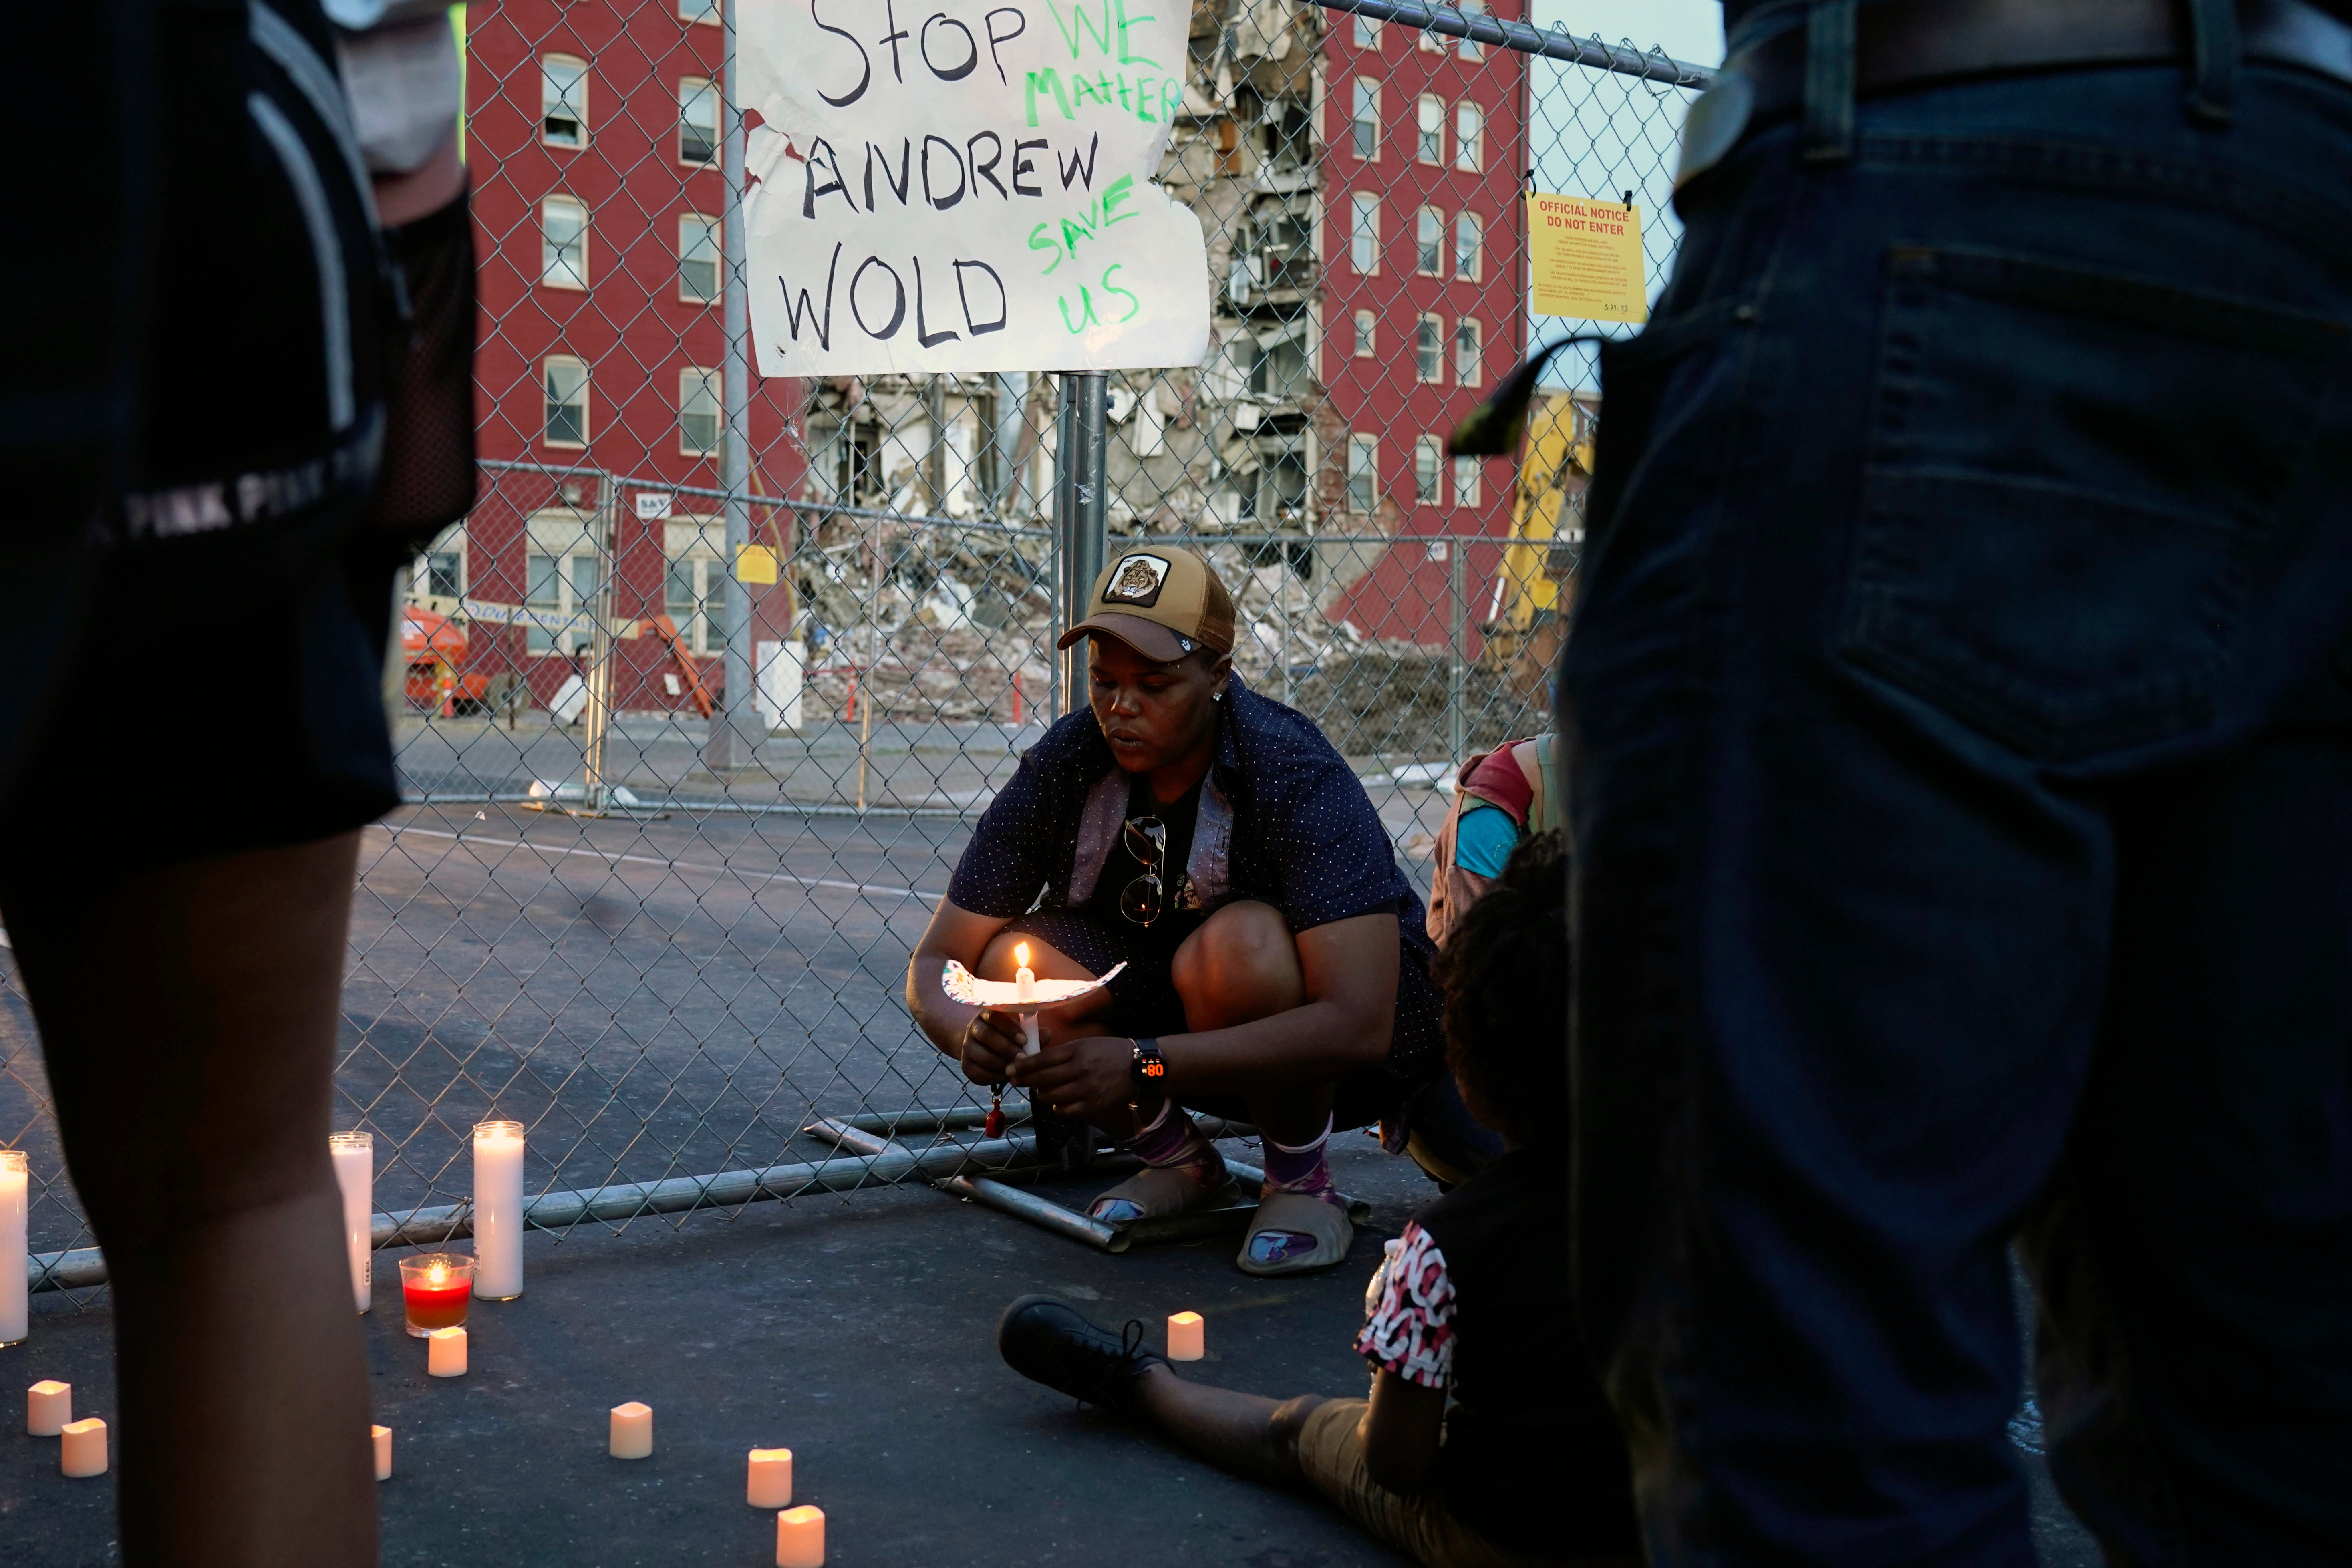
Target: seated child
1486	1440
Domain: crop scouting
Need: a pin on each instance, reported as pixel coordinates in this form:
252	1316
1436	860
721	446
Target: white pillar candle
445	1352
498	1210
48	1407
1187	1337
381	1438
633	1431
1027	979
15	1180
354	1157
83	1453
771	1477
800	1538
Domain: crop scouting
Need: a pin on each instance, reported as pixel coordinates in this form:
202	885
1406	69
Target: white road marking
609	856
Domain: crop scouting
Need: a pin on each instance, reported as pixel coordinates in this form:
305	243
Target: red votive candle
436	1287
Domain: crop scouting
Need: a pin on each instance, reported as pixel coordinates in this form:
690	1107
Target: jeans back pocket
2068	475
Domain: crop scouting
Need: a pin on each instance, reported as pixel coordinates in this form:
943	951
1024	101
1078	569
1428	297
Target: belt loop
1828	80
2213	56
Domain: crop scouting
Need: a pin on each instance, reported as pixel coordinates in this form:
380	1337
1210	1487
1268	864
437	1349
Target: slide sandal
1302	1233
1159	1191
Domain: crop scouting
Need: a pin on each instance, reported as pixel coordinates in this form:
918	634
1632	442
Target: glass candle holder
436	1287
353	1155
16	1187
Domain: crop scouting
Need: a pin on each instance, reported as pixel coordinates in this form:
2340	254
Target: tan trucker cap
1162	602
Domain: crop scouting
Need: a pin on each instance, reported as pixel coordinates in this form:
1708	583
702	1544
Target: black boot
1046	1341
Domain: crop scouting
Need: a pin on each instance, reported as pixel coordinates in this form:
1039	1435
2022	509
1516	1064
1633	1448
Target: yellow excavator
1538	582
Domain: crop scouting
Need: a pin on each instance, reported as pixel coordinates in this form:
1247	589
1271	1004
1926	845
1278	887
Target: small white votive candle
445	1352
48	1407
381	1438
83	1453
800	1538
1187	1336
633	1431
771	1479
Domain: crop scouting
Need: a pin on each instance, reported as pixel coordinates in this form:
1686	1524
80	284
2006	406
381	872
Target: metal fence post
1458	673
1079	515
599	718
735	727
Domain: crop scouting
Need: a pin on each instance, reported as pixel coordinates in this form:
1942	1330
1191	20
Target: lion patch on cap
1137	580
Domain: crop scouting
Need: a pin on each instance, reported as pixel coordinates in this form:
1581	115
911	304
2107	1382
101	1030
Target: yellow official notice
755	564
1586	259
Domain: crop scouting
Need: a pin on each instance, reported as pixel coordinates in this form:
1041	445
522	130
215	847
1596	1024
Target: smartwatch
1148	1068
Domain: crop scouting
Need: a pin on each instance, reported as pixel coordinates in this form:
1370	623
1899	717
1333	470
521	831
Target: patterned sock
1299	1169
1168	1141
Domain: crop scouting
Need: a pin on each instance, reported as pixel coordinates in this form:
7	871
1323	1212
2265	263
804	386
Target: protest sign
1585	258
966	186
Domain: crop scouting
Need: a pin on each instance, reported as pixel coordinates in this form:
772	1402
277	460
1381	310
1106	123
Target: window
1364	233
1367	32
1471	48
1367	334
1429	242
564	243
1429	348
1469	241
698	122
1431	43
1429	141
563	102
697	412
697	259
1428	472
1465	481
566	381
1277	370
1467	371
562	584
1363	472
1366	126
696	598
697	10
1469	138
440	572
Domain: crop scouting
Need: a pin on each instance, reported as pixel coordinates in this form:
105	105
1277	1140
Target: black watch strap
1148	1068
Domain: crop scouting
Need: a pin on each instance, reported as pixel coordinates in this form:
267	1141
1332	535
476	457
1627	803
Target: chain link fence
697	708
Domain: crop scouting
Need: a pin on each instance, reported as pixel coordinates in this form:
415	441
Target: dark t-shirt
1478	1302
1744	21
1120	868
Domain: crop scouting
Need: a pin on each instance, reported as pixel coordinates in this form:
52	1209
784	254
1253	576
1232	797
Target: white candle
1026	980
800	1538
354	1157
633	1431
1187	1336
48	1407
498	1210
83	1453
445	1352
16	1179
771	1479
381	1438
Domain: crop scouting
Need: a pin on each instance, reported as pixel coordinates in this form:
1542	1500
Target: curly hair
1504	970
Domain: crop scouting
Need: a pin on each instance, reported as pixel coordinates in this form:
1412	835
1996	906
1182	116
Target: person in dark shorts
224	427
1486	1441
1214	843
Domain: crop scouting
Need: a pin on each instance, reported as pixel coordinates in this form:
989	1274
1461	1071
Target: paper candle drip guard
962	985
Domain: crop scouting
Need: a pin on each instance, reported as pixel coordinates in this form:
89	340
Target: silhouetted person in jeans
1957	718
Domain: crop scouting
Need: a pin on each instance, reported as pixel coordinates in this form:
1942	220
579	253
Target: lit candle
381	1438
434	1288
633	1431
1027	979
354	1157
800	1538
445	1352
83	1453
498	1210
16	1179
48	1407
771	1477
1187	1336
